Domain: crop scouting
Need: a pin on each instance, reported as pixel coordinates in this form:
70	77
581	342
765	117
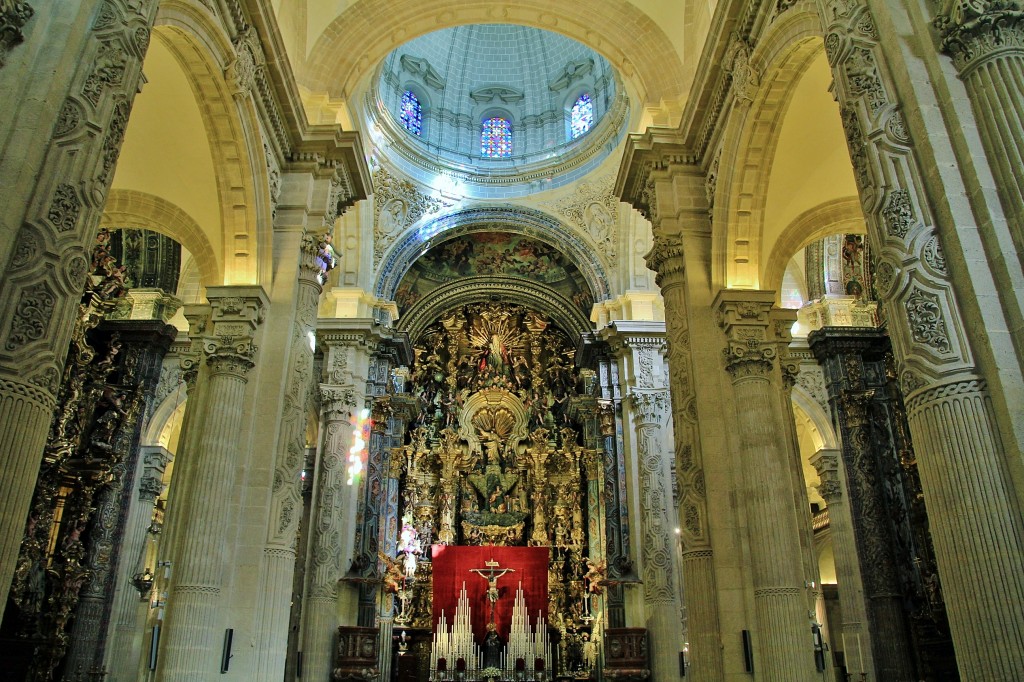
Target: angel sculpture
393	576
596	576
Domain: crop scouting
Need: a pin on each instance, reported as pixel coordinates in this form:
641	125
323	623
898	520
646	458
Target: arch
843	215
485	288
360	37
514	219
748	147
141	210
163	412
821	419
232	126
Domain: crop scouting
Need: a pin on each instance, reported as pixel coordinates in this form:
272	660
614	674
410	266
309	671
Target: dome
501	109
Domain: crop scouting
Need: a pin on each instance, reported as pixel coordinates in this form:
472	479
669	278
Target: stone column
640	346
54	177
192	638
782	638
128	617
669	260
650	409
277	566
986	41
333	510
973	506
853	632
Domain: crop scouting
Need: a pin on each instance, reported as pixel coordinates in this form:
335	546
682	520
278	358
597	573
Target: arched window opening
496	138
581	118
412	113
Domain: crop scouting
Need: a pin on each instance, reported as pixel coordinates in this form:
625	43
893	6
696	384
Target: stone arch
141	210
516	220
361	36
827	218
232	127
818	416
748	148
163	413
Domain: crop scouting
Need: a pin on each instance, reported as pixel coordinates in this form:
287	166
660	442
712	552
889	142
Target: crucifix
491	575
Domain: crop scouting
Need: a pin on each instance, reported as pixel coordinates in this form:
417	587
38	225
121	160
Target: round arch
141	210
749	143
232	127
487	288
353	44
822	421
516	220
843	215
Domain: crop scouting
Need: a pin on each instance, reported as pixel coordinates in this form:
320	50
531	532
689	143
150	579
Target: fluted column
53	193
986	41
277	566
782	638
973	506
192	641
853	632
129	613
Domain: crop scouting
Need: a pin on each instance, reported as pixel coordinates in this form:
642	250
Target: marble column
277	565
191	644
59	163
782	636
128	617
853	631
957	418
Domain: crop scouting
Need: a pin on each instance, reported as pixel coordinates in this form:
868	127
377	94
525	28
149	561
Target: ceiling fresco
498	254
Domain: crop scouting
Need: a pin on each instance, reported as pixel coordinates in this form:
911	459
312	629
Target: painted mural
493	253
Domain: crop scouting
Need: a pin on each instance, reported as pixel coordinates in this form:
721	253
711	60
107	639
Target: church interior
381	340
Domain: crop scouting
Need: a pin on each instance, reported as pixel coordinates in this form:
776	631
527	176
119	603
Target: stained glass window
412	113
582	116
496	138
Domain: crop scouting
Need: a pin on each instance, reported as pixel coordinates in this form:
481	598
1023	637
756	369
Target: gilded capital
970	31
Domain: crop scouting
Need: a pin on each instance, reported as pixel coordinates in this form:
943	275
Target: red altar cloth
451	569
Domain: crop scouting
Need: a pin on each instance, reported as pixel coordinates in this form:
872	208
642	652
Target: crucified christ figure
491	575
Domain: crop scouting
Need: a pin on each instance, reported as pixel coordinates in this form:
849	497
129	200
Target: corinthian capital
754	331
973	30
14	14
665	257
650	406
236	314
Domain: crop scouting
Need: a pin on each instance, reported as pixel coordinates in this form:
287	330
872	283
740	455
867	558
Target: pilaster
640	348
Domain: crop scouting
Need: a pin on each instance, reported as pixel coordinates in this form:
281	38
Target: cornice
277	98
